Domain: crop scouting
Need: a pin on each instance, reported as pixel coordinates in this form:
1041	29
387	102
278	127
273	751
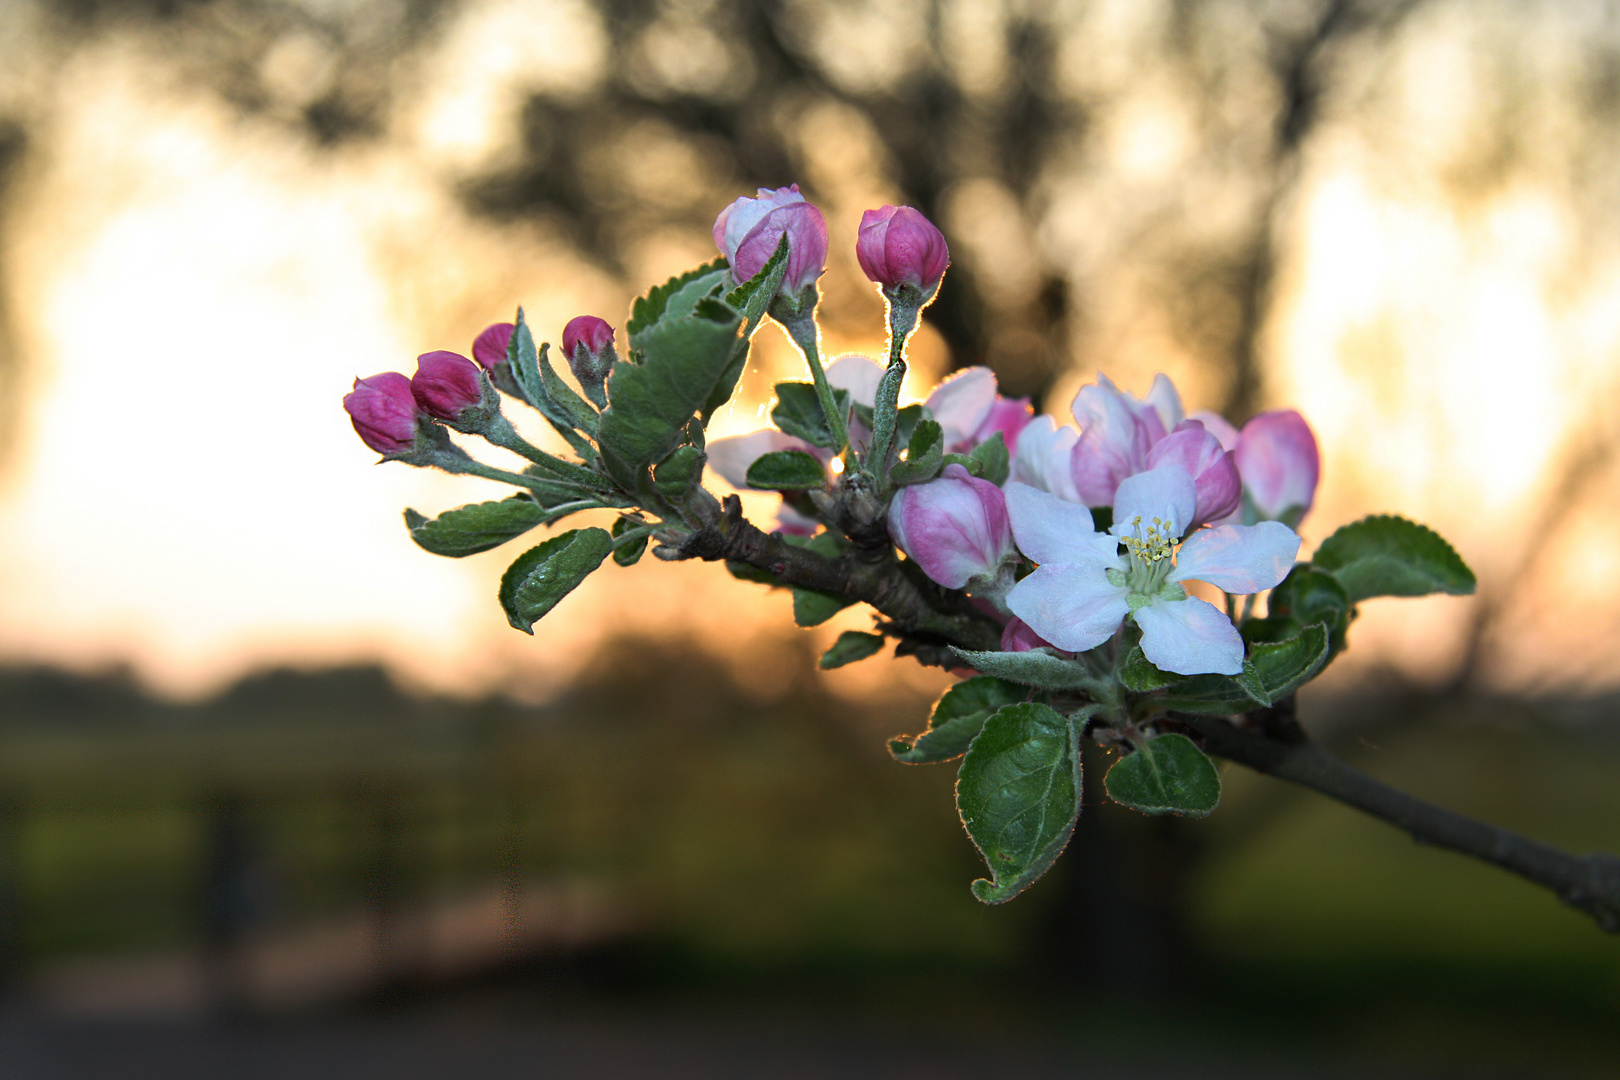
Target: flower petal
1239	559
1071	605
1189	637
859	375
1052	530
1166	493
961	403
1042	459
1165	402
1218	426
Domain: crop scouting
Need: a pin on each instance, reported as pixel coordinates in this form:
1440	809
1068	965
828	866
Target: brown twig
1281	748
925	617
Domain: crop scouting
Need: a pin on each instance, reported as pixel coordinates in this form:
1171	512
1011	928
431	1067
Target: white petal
1052	530
1166	493
859	375
961	403
1165	401
1189	637
1043	458
1238	559
1072	606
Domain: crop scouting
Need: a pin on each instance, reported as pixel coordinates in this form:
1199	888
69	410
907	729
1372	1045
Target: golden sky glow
195	290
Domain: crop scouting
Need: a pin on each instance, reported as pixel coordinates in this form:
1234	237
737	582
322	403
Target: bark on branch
925	615
1590	883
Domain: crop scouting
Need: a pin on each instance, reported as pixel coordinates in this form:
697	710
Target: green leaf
814	608
543	575
798	412
1137	672
852	645
523	360
1166	775
751	299
578	411
1036	667
650	403
1102	517
648	309
1307	596
467	530
627	554
744	572
676	474
1249	680
1280	668
1385	555
925	454
558	413
787	470
1018	792
957	718
995	464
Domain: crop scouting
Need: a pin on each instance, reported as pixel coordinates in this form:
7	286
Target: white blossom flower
1084	588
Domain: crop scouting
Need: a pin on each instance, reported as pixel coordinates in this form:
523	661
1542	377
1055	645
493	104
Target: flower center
1150	550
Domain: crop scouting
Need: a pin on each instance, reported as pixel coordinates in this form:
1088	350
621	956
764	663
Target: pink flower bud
898	248
1277	459
587	330
446	383
588	345
383	412
954	527
748	231
1215	474
1017	636
489	347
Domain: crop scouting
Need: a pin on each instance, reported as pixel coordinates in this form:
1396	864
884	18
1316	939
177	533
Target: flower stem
806	334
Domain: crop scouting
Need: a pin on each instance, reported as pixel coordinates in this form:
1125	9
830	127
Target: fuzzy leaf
1386	555
1019	794
543	575
650	403
750	299
1307	596
704	280
1166	775
852	645
1137	672
787	470
995	464
675	475
630	553
814	608
957	718
524	362
467	530
798	412
925	455
1037	667
1280	668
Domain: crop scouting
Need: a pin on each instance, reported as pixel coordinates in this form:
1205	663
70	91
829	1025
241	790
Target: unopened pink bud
1278	461
954	527
1214	472
898	247
383	412
748	231
587	330
1010	416
1017	636
489	347
446	383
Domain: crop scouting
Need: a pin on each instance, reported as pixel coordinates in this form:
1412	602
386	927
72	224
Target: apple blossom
901	249
748	231
384	412
1084	588
1277	458
954	527
446	384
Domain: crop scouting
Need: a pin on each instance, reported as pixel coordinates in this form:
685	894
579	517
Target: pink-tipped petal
897	246
961	404
1165	402
806	230
1190	637
446	383
954	527
1278	460
1017	636
1193	448
1218	426
1009	416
